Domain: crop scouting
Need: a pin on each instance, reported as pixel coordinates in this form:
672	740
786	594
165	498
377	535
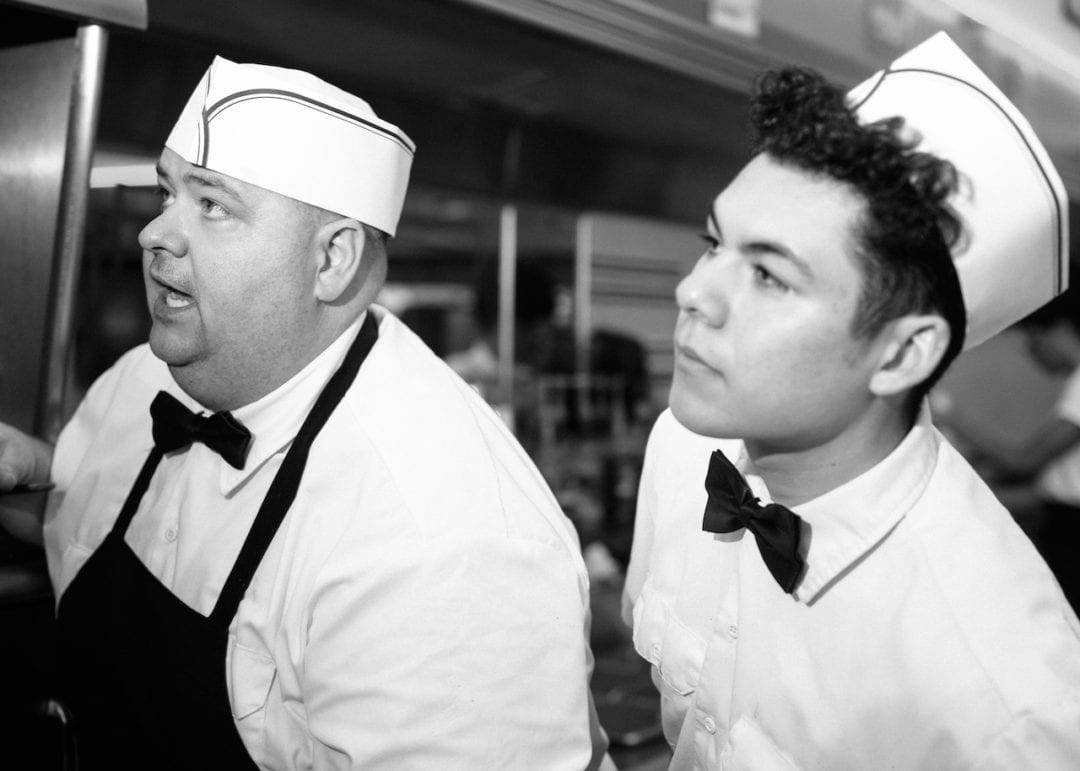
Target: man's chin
699	416
176	353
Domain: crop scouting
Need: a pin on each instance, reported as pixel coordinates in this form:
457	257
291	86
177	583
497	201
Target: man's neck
221	386
795	475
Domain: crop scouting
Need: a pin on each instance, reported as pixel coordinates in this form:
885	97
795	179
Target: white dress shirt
424	603
926	633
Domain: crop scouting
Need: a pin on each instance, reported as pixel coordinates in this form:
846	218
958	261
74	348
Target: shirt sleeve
78	433
108	394
108	402
1047	739
451	655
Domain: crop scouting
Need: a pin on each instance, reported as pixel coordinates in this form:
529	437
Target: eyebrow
767	248
775	249
204	178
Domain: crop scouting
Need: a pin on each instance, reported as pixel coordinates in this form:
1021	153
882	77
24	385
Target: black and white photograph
539	385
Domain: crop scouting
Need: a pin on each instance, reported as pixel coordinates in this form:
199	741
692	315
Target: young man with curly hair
818	578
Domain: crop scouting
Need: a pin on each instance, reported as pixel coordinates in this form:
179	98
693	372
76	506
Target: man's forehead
766	183
177	171
774	208
171	165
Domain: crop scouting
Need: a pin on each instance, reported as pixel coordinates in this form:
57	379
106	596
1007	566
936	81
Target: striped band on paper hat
294	134
1012	201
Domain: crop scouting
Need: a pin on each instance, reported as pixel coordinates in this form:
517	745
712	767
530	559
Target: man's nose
703	293
163	234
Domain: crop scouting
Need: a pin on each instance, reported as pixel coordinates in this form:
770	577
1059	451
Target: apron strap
138	490
283	489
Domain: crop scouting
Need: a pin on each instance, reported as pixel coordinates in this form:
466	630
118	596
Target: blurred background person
1047	461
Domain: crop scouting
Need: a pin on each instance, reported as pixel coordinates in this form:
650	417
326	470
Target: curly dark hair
908	228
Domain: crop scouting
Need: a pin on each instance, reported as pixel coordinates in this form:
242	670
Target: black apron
142	673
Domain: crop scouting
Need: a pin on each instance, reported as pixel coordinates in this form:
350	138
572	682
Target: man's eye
163	195
213	208
711	241
766	279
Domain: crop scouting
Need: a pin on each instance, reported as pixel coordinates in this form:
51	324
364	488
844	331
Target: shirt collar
844	524
275	419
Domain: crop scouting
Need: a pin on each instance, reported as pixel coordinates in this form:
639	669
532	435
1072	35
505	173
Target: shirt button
733	631
656	649
170	534
710	725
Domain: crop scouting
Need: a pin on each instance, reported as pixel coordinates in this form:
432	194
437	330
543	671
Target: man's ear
914	345
340	246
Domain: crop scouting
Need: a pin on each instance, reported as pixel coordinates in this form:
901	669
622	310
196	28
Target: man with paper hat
287	535
818	578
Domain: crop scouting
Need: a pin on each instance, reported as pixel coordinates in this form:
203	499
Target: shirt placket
712	707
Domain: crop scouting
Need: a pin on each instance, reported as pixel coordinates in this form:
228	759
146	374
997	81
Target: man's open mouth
174	298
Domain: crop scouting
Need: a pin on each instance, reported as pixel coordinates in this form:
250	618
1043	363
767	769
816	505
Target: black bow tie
732	506
175	426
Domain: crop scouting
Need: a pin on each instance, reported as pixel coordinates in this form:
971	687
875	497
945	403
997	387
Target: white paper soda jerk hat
292	133
1012	201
